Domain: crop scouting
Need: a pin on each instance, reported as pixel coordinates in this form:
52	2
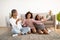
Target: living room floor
4	30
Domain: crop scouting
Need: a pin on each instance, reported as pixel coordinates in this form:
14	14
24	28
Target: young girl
40	27
29	21
16	22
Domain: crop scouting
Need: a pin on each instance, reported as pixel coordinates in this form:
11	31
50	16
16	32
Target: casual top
17	28
14	25
29	22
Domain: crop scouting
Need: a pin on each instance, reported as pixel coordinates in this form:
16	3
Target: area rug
50	36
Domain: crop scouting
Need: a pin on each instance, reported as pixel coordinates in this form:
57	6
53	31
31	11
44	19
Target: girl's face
38	17
15	14
29	15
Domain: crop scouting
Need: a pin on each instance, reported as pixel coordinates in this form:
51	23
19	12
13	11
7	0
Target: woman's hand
22	20
17	20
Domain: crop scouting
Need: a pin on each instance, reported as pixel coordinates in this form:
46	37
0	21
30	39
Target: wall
22	6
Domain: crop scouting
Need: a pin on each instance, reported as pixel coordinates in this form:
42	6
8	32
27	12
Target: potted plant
58	19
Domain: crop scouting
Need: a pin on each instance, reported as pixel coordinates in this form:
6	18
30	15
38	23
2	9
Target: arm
37	22
24	22
45	19
12	22
19	18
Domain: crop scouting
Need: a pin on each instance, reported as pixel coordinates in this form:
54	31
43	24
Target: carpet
50	36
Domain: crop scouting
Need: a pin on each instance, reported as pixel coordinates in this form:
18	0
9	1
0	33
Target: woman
40	27
16	22
29	21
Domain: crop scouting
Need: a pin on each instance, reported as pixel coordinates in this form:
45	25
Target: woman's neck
14	17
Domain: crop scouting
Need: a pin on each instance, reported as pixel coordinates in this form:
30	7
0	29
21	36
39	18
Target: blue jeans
22	30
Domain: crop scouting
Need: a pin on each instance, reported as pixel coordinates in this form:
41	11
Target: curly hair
36	17
27	14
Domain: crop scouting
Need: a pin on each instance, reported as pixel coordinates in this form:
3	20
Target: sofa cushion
48	22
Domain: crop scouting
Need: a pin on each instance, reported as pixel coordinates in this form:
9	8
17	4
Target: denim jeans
22	30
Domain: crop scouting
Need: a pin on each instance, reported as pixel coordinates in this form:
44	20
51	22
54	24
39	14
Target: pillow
49	17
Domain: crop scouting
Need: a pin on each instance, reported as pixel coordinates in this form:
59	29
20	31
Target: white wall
35	6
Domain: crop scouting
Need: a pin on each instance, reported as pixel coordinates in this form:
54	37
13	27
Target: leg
16	32
29	30
45	31
39	31
26	30
33	30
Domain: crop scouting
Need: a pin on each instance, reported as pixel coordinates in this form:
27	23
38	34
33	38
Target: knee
29	32
45	31
40	32
34	30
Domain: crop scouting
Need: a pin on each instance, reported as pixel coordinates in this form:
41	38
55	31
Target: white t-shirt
14	25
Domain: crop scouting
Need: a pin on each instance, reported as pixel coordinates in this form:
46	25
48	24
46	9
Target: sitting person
29	21
40	27
16	22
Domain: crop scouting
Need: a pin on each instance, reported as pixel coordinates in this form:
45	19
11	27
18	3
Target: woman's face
15	14
38	17
29	15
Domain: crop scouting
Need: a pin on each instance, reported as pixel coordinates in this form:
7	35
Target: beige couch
50	23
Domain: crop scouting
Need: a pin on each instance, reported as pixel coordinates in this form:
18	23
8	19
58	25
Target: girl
28	22
40	27
15	21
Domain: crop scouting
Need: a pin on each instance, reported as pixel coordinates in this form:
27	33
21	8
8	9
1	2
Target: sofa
49	23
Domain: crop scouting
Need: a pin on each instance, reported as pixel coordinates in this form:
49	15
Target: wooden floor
58	31
3	30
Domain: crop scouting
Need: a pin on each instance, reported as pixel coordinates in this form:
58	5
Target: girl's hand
43	20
